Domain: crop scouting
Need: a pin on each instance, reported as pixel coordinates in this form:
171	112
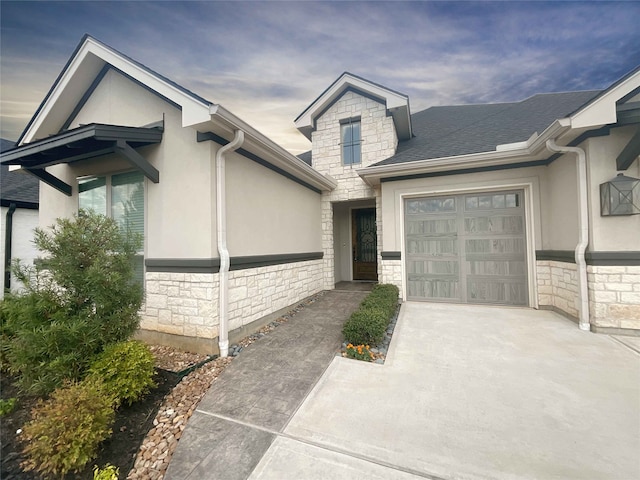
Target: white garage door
467	248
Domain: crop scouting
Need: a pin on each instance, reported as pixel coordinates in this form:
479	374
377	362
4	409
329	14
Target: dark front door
365	266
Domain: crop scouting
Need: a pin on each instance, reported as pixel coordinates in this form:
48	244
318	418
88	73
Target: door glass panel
498	201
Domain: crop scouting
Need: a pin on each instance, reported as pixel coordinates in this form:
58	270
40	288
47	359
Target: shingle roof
465	129
306	157
17	186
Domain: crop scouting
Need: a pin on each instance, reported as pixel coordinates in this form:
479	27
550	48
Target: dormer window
350	141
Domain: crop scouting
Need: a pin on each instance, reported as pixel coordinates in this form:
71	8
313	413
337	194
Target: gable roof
396	103
87	64
17	187
465	129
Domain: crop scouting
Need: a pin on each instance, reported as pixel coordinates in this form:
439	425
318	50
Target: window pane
350	133
355	155
93	194
472	202
498	201
127	201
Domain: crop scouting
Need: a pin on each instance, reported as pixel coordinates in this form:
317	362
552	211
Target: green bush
126	369
7	406
109	472
81	299
366	325
66	430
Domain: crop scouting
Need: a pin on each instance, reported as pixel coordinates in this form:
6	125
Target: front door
364	244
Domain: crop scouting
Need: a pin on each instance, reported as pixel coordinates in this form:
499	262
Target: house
18	219
486	204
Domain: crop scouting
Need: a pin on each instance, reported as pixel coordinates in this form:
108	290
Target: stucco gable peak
85	65
397	103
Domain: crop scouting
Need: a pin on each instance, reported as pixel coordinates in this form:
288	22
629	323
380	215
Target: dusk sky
267	61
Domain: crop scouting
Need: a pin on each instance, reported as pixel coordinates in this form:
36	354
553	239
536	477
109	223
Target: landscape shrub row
367	324
66	339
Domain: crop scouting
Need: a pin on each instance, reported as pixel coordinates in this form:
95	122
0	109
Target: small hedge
126	370
366	325
66	430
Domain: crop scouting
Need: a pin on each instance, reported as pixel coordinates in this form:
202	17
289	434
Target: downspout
583	227
7	246
221	215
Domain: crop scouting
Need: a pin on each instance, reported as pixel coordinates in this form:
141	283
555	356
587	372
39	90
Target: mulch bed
129	430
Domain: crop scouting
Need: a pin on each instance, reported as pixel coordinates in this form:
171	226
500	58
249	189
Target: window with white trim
350	136
121	197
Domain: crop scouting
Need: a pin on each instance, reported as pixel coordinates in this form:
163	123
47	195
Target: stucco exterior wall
22	247
614	233
379	141
267	213
180	209
559	204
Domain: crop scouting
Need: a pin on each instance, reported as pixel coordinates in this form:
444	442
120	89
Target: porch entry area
467	248
355	241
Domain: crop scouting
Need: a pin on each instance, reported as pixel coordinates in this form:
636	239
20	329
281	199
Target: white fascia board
602	110
393	100
534	150
266	148
193	111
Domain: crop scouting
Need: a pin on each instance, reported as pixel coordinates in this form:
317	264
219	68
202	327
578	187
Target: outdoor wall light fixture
620	196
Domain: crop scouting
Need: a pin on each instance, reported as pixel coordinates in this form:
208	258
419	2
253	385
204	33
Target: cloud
266	61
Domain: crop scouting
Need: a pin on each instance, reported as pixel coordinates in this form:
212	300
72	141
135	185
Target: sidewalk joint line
329	448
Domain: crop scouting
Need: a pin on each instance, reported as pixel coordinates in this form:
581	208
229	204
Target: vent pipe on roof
221	228
583	227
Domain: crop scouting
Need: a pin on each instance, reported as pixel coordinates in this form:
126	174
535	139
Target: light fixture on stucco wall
620	196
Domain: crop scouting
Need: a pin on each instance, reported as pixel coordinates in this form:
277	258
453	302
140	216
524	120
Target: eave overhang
82	143
397	104
223	124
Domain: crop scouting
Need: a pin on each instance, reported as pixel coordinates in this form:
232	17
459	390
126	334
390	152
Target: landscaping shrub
366	325
384	296
126	370
79	300
65	431
109	472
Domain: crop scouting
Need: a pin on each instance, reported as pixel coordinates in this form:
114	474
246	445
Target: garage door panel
492	291
433	246
501	224
467	248
420	287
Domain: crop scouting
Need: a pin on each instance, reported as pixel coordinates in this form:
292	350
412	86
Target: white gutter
221	224
583	226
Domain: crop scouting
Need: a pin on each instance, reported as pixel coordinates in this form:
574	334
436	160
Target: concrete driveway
472	392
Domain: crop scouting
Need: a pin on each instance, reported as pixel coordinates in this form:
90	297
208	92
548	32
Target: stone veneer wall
186	304
391	272
558	286
614	296
183	304
256	292
379	141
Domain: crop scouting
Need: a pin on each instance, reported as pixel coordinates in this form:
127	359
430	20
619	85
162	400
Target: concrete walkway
467	392
255	397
